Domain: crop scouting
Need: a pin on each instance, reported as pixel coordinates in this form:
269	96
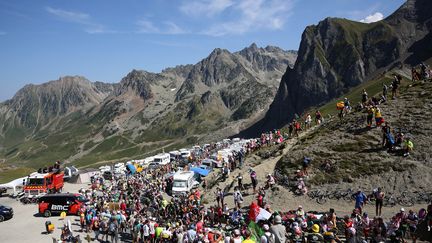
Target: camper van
183	182
174	154
162	159
185	153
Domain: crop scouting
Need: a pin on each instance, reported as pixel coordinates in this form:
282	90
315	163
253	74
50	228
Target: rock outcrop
338	54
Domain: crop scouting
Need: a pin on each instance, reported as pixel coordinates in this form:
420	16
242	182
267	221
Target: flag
257	213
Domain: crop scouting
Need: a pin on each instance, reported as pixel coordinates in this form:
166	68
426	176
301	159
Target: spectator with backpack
267	237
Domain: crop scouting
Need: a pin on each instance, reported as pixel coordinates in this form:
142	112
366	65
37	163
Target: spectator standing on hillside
378	117
278	230
408	147
395	85
379	197
360	200
384	90
364	96
318	117
254	180
308	121
370	113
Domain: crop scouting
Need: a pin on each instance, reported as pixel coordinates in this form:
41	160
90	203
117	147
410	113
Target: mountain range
77	120
242	93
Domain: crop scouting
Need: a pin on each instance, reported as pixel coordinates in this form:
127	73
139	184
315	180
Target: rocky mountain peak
37	104
338	54
139	82
418	11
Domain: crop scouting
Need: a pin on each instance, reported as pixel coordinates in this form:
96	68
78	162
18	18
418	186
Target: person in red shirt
123	206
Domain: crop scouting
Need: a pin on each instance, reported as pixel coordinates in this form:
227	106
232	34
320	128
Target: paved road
25	226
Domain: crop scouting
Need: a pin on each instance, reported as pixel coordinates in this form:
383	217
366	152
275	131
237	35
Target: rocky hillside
355	152
338	54
76	120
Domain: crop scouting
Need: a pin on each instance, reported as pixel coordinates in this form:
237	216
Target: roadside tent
131	168
84	178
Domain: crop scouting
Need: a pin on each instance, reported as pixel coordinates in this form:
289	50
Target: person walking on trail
395	85
408	146
347	105
364	96
318	117
360	200
384	90
370	113
308	121
219	197
378	117
254	180
238	198
240	182
297	128
388	141
305	165
278	230
379	198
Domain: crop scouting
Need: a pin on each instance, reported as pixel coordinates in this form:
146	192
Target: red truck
41	183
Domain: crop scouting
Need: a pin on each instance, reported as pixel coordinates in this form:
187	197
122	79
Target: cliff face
338	54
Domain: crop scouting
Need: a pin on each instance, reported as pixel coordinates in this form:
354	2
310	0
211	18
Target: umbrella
200	171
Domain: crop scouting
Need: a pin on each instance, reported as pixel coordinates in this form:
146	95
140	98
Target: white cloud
167	28
253	15
205	7
69	15
79	18
146	26
173	29
373	18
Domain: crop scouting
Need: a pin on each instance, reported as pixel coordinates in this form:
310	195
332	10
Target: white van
185	153
174	154
148	160
162	159
183	182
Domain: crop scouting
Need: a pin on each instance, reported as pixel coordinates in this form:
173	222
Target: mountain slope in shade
338	54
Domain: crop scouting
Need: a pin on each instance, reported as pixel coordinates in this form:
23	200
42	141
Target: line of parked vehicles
45	186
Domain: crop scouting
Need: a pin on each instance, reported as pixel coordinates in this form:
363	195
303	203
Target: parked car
3	190
5	213
108	175
153	166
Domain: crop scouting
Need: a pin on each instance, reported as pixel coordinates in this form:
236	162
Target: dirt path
284	199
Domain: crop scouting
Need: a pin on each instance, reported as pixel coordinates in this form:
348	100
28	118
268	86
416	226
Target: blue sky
104	39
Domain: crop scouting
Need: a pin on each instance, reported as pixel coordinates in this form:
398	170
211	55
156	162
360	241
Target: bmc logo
59	207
